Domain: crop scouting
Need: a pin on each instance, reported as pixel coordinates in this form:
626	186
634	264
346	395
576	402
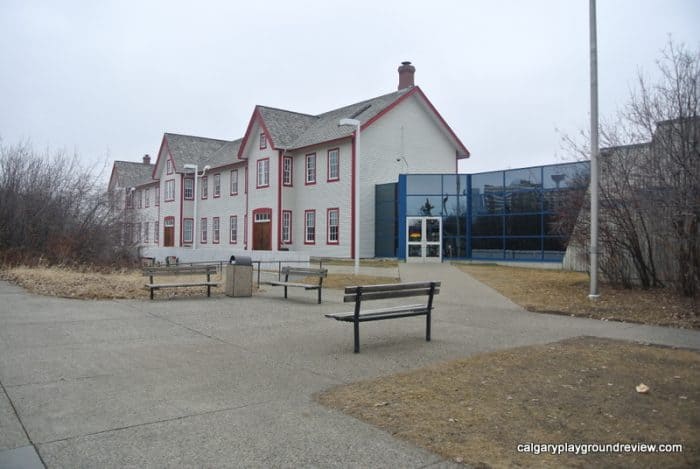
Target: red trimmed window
217	185
147	197
205	187
156	232
309	226
215	230
170	190
234	182
263	141
169	166
203	231
287	171
129	198
189	189
187	230
233	229
333	164
310	167
158	195
333	224
263	173
287	226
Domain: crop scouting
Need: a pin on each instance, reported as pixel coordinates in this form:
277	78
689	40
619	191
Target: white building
288	184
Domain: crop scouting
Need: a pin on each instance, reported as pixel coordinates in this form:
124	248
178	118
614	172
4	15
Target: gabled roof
292	130
188	149
225	155
130	174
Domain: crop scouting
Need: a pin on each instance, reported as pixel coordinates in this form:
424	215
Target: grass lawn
129	284
561	292
479	409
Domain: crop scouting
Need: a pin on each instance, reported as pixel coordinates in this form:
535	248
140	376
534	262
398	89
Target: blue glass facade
500	215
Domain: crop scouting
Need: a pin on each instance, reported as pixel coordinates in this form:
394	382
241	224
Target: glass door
423	239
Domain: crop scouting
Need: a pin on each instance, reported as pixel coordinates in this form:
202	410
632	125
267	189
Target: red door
262	229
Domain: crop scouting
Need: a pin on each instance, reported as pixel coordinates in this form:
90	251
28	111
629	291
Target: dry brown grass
348	280
363	262
478	409
562	292
94	285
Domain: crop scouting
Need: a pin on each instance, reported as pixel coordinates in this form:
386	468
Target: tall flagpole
593	294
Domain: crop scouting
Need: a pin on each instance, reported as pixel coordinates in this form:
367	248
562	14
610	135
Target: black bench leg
427	326
151	293
209	290
319	296
285	291
357	337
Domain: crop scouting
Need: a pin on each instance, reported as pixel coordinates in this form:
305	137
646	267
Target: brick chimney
146	159
406	73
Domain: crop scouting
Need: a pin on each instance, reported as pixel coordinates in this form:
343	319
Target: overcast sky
107	78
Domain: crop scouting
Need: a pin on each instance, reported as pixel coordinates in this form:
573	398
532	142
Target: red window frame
328	225
306	169
328	165
184	232
263	141
203	228
169	181
217	185
184	189
289	231
265	161
232	221
230	183
204	187
289	159
215	230
169	166
306	237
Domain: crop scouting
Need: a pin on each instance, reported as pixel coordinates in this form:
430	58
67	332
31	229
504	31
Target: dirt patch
479	409
562	292
95	285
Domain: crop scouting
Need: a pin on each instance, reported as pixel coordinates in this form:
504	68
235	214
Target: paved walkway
225	382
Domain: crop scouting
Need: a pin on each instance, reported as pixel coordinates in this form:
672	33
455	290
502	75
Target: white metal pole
594	151
357	200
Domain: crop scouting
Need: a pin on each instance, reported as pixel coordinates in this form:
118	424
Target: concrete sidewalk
225	382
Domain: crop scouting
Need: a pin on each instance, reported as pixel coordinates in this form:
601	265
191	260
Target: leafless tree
53	208
650	179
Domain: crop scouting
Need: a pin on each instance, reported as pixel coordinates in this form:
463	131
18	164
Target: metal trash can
238	276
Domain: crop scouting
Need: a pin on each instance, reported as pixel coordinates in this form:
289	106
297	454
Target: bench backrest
180	270
306	272
392	290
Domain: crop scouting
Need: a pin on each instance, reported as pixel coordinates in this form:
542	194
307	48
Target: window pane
523	201
424	184
487	248
454	184
526	178
567	175
523	225
424	206
487	226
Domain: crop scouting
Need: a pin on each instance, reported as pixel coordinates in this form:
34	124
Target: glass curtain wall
520	214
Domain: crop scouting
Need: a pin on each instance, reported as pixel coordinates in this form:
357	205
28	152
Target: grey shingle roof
131	174
325	126
227	154
190	149
285	126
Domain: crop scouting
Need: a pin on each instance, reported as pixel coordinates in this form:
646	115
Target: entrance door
423	239
262	230
169	232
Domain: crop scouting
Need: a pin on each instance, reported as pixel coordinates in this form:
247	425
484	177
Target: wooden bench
207	270
379	292
304	272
